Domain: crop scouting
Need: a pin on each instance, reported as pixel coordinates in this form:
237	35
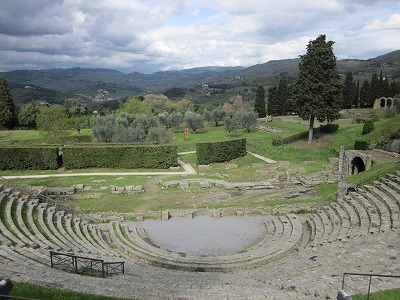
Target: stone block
165	215
216	214
79	186
231	166
204	167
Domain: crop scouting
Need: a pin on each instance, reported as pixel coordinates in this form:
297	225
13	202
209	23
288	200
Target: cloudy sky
152	35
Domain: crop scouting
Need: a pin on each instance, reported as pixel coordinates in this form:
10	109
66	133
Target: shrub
329	128
361	145
368	127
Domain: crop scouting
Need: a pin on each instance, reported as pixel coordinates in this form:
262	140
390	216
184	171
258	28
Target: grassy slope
38	292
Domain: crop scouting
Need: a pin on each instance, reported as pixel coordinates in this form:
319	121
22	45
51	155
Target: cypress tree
283	96
8	116
348	91
259	105
317	92
356	100
273	101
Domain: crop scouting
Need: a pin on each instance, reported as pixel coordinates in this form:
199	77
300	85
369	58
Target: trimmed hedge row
121	157
81	157
328	128
220	151
21	158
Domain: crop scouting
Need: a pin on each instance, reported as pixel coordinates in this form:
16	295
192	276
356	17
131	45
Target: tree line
281	100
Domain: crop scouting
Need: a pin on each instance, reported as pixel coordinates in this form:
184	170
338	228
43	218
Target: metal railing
85	265
370	279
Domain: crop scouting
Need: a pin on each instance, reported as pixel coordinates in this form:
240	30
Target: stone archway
354	161
383	103
357	165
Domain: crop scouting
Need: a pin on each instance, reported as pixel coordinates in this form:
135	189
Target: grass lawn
393	294
293	156
27	290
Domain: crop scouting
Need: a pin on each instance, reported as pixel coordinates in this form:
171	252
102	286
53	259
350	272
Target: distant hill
91	85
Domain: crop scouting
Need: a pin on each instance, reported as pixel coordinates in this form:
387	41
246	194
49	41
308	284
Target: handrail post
51	259
76	264
344	274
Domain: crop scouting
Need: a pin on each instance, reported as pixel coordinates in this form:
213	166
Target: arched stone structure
351	162
355	161
383	103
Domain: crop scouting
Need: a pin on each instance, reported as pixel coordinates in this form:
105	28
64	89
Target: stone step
44	242
354	218
7	236
49	216
14	227
45	228
390	205
137	243
381	208
72	236
362	213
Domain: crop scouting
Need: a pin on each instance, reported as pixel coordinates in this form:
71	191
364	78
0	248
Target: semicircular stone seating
283	234
30	228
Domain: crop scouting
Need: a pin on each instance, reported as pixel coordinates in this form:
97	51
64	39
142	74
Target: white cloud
155	34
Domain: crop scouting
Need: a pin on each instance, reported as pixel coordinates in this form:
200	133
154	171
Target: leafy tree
27	116
145	122
317	91
103	127
135	106
52	121
183	105
170	120
259	105
159	135
348	91
8	116
207	116
217	115
158	103
246	119
273	101
230	124
235	105
125	118
122	134
75	107
194	121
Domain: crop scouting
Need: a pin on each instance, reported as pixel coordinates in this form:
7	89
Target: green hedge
24	158
220	151
328	128
121	157
81	157
361	145
368	127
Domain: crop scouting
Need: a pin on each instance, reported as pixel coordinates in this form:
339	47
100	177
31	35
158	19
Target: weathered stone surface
165	215
204	167
79	186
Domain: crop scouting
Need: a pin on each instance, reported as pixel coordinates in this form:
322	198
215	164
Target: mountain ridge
96	84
